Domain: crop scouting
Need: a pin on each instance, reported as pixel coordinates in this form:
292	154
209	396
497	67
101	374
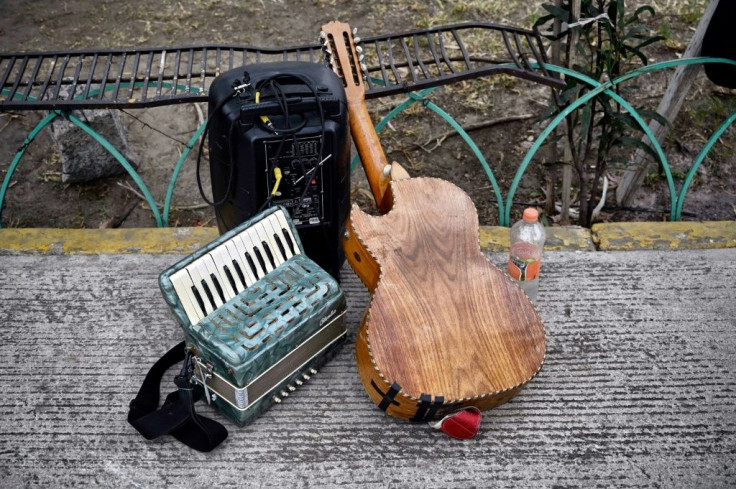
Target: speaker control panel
301	190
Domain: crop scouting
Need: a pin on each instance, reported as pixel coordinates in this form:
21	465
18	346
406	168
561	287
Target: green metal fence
676	198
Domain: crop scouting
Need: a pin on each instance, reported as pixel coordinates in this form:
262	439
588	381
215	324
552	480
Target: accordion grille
268	309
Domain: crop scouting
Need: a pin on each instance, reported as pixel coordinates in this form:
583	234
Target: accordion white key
259	316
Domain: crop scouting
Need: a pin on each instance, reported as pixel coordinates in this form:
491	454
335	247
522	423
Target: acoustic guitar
445	328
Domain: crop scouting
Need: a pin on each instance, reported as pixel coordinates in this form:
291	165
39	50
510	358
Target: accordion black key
259	316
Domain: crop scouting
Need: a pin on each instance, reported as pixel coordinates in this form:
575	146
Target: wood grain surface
638	388
443	323
443	320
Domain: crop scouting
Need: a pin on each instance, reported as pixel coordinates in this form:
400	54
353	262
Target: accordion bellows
259	315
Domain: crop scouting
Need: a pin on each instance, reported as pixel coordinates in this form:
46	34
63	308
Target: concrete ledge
622	236
186	240
104	241
493	239
638	388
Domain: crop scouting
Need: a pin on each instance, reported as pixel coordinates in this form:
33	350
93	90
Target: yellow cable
277	174
264	118
277	170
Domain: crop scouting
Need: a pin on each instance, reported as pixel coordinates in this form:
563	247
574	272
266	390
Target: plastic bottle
525	256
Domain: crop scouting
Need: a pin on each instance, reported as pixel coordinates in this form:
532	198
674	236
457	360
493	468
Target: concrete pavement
638	388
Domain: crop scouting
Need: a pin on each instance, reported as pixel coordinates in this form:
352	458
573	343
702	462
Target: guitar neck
345	61
371	153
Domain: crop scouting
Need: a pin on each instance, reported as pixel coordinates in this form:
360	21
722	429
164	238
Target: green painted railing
160	222
421	97
676	200
504	207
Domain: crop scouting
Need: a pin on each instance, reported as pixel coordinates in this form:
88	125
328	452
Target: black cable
282	100
283	104
286	131
148	126
206	130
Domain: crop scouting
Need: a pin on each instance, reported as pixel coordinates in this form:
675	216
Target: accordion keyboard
227	270
258	314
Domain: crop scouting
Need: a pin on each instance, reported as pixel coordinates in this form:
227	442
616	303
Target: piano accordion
259	316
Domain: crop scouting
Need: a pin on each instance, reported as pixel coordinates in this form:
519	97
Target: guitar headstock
344	57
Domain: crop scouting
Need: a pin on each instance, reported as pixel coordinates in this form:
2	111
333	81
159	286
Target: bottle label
524	262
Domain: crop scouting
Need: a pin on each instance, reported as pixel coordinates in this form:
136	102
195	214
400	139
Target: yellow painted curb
664	235
105	241
187	240
605	237
495	239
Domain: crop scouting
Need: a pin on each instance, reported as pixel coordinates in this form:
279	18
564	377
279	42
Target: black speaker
291	116
720	42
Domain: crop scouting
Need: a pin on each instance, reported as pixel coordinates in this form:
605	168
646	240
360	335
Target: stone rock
83	159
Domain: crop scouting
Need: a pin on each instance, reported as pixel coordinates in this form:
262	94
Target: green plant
603	49
693	11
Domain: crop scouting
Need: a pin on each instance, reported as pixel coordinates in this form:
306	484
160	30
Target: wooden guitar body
445	328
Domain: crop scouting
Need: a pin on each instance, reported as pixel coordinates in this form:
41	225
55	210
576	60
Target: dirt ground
418	139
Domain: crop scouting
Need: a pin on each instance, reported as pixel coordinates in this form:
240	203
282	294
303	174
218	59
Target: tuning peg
356	40
322	35
277	399
284	394
299	382
355	31
291	388
361	58
312	371
306	377
363	67
359	49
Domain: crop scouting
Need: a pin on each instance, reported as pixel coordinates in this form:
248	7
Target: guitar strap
177	416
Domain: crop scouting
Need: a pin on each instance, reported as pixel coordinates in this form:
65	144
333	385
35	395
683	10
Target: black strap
177	416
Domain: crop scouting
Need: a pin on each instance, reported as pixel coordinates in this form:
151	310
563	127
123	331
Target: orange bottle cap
530	214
